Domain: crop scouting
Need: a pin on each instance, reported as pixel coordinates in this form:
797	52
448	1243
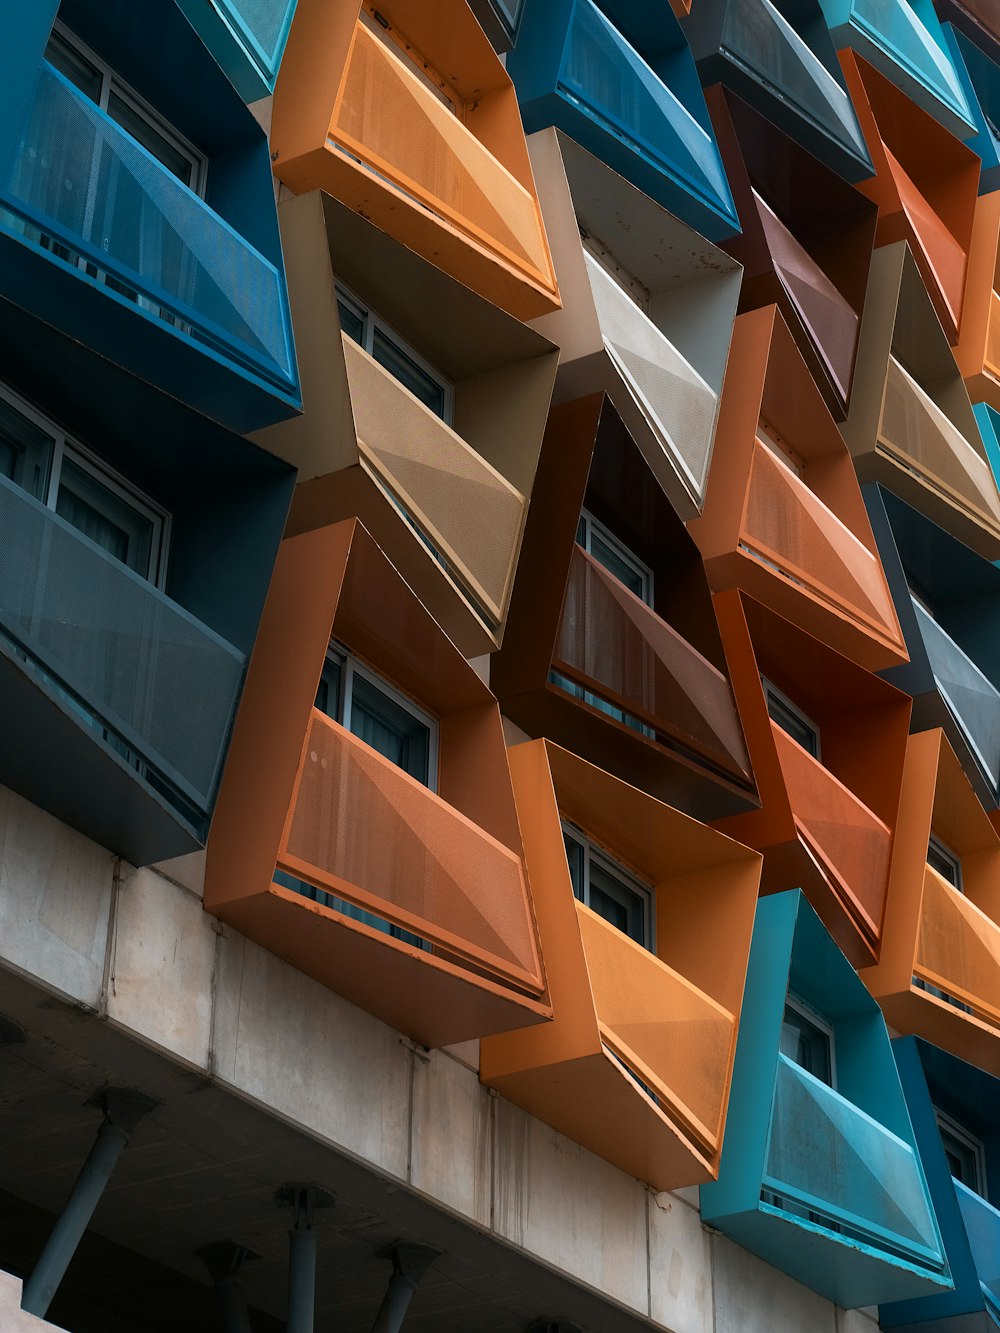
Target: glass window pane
617	903
106	518
391	729
945	862
403	368
351	322
142	129
328	692
791	721
576	860
807	1044
613	562
25	451
74	66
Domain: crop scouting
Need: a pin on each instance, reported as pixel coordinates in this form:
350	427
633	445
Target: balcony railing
467	510
958	948
972	698
844	1170
674	1038
97	202
362	829
262	27
125	657
850	842
614	645
982	1227
390	122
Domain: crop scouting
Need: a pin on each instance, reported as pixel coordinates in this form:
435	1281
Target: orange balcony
926	183
445	500
911	425
939	973
784	519
637	1062
419	910
416	127
829	806
978	350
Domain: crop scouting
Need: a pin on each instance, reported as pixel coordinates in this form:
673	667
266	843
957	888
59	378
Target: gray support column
409	1263
225	1262
123	1109
305	1199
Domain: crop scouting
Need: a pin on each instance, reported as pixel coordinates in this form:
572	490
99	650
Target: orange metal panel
978	350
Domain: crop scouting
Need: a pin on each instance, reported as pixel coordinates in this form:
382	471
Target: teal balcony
246	37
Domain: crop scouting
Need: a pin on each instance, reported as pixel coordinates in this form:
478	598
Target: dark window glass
807	1044
791	721
409	374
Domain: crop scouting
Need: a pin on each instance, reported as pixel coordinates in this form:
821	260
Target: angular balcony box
648	310
619	79
499	19
977	63
939	973
446	502
637	1061
989	429
417	128
954	1109
133	570
137	208
902	39
926	185
780	60
784	518
806	243
631	677
419	910
827	741
948	600
820	1174
977	19
911	426
978	350
246	37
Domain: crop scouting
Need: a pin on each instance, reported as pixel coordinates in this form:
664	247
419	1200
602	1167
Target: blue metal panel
989	429
980	79
246	38
903	39
643	114
846	1208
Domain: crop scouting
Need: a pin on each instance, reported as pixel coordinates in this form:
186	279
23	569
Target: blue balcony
621	81
980	80
904	41
246	37
821	1181
784	65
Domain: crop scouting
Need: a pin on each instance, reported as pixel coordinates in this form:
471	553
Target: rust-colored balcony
978	349
939	974
784	518
911	425
404	112
637	1062
827	741
630	675
328	851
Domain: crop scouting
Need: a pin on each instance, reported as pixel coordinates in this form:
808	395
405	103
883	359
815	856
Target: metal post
225	1262
409	1263
123	1109
302	1254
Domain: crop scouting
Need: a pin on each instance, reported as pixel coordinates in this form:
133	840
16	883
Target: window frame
594	853
782	699
822	1024
948	1125
594	527
946	854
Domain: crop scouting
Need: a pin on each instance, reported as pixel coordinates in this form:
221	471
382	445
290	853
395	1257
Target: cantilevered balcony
418	129
408	901
246	37
784	518
636	1063
619	79
782	62
820	1175
974	54
978	350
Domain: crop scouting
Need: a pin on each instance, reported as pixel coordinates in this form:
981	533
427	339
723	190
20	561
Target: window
941	858
394	355
790	719
807	1039
964	1153
608	889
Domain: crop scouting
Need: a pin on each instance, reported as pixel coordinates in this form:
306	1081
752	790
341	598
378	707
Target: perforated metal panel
679	405
76	176
467	509
982	1227
958	947
674	1037
828	1155
839	829
395	848
972	698
895	27
393	122
264	20
621	649
153	674
914	428
793	528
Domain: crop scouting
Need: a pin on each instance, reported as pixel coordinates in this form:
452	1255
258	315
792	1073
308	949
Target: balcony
907	47
820	1178
973	53
978	350
636	1062
131	691
417	908
446	175
623	85
784	518
246	37
982	1226
785	67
